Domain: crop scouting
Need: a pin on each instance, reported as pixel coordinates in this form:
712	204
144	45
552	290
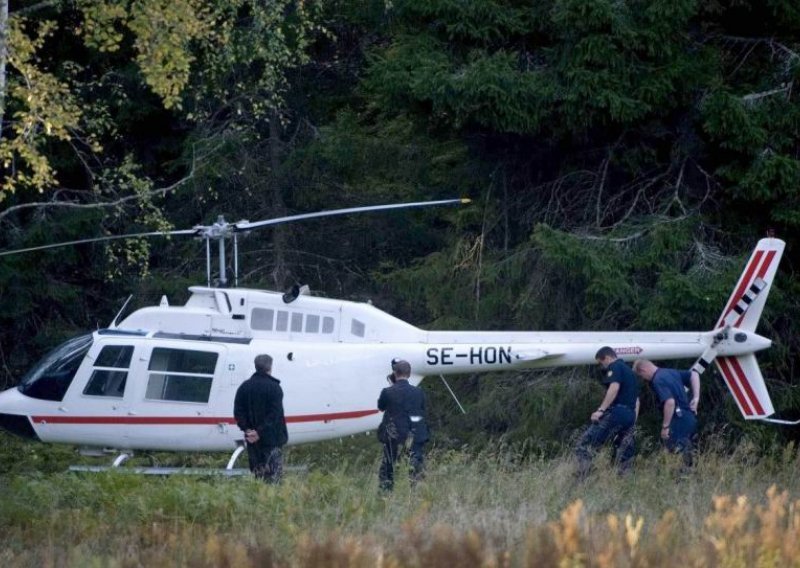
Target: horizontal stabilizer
744	380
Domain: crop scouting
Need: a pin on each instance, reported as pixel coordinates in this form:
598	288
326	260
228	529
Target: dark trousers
617	424
266	462
416	459
391	450
682	430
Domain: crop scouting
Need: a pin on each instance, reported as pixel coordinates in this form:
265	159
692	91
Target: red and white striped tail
745	305
744	380
743	310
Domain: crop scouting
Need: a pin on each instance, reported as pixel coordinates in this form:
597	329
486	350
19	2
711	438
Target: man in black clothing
258	409
615	418
403	407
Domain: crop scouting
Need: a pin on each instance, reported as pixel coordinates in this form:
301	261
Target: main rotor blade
100	239
246	226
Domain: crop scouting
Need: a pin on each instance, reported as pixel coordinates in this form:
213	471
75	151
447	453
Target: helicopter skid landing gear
235	455
120	459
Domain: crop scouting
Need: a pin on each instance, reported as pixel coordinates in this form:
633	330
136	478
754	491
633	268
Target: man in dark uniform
258	409
679	421
615	418
403	407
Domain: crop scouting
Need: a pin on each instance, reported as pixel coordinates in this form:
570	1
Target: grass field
491	509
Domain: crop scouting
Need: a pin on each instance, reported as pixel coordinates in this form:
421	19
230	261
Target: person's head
605	356
401	369
645	369
264	364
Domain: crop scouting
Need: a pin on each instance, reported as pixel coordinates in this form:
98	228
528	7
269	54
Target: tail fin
744	380
743	310
745	305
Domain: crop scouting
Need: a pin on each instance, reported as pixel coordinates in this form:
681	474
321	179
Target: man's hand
596	416
665	433
251	436
693	404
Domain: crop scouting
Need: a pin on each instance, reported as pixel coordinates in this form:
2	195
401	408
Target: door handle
131	413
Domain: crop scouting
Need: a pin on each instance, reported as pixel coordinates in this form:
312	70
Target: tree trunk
279	272
3	58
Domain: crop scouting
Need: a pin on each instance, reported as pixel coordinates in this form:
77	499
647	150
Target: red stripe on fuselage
748	274
733	384
190	420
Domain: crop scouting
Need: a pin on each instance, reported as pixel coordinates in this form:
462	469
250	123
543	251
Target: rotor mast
220	231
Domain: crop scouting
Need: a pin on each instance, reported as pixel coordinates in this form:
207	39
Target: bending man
678	424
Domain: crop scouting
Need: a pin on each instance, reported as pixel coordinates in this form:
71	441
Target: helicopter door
174	401
310	395
97	402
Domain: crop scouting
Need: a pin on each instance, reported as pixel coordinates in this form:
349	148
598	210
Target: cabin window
110	382
357	328
107	383
181	375
297	322
327	324
283	321
115	356
312	323
261	319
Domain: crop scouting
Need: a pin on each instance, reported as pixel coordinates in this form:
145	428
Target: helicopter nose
13	417
18	425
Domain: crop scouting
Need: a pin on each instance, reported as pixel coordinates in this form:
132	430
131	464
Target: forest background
623	158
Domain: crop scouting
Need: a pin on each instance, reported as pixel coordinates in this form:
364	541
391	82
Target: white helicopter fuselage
165	377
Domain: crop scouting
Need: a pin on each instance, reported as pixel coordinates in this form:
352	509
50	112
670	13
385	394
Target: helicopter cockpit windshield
50	379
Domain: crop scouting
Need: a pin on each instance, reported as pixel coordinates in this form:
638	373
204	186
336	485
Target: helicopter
164	377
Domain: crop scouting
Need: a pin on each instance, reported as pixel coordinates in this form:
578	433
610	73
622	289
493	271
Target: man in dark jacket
615	418
258	409
403	407
679	415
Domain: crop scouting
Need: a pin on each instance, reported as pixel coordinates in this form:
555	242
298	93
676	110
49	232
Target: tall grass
493	509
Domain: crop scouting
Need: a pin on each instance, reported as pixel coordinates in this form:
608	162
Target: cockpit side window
110	381
50	379
357	328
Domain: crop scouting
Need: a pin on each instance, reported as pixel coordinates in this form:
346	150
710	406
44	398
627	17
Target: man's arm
695	379
636	410
239	409
669	410
611	394
382	401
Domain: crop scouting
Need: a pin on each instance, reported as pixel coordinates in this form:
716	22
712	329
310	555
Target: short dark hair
401	368
263	363
604	352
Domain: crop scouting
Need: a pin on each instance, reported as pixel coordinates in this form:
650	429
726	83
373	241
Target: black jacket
399	402
259	406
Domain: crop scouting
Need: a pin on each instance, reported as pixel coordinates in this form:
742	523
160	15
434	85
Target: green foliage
590	64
